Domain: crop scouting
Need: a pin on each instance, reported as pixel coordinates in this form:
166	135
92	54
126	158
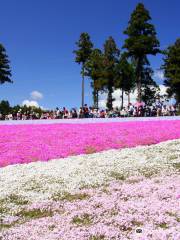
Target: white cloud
29	103
117	96
36	95
102	103
33	101
117	101
159	75
162	89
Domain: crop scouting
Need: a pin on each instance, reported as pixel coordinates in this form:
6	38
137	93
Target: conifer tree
124	76
95	70
171	68
84	49
5	72
141	41
111	54
149	87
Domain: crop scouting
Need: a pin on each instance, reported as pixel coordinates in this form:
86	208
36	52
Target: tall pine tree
149	86
141	41
171	68
124	76
83	52
5	72
95	70
111	54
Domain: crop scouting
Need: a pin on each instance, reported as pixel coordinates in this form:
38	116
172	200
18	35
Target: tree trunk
110	98
139	89
128	97
138	82
94	98
122	99
82	99
97	99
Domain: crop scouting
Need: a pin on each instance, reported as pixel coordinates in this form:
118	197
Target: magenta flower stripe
30	143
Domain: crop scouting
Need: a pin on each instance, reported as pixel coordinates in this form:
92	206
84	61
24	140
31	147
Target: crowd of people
131	110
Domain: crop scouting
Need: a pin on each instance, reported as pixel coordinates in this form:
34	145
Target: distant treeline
6	108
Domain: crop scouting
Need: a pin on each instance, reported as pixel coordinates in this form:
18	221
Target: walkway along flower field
31	143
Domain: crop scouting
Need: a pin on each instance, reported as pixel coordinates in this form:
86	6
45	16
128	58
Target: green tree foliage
125	75
141	41
5	107
28	109
16	109
171	68
5	72
95	70
111	54
84	49
149	86
149	94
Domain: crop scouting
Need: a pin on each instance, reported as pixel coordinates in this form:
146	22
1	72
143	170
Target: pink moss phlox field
112	212
30	143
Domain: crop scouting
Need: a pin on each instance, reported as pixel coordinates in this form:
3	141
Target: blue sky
40	35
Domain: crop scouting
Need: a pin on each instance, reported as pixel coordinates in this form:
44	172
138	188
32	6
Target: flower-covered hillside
31	143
